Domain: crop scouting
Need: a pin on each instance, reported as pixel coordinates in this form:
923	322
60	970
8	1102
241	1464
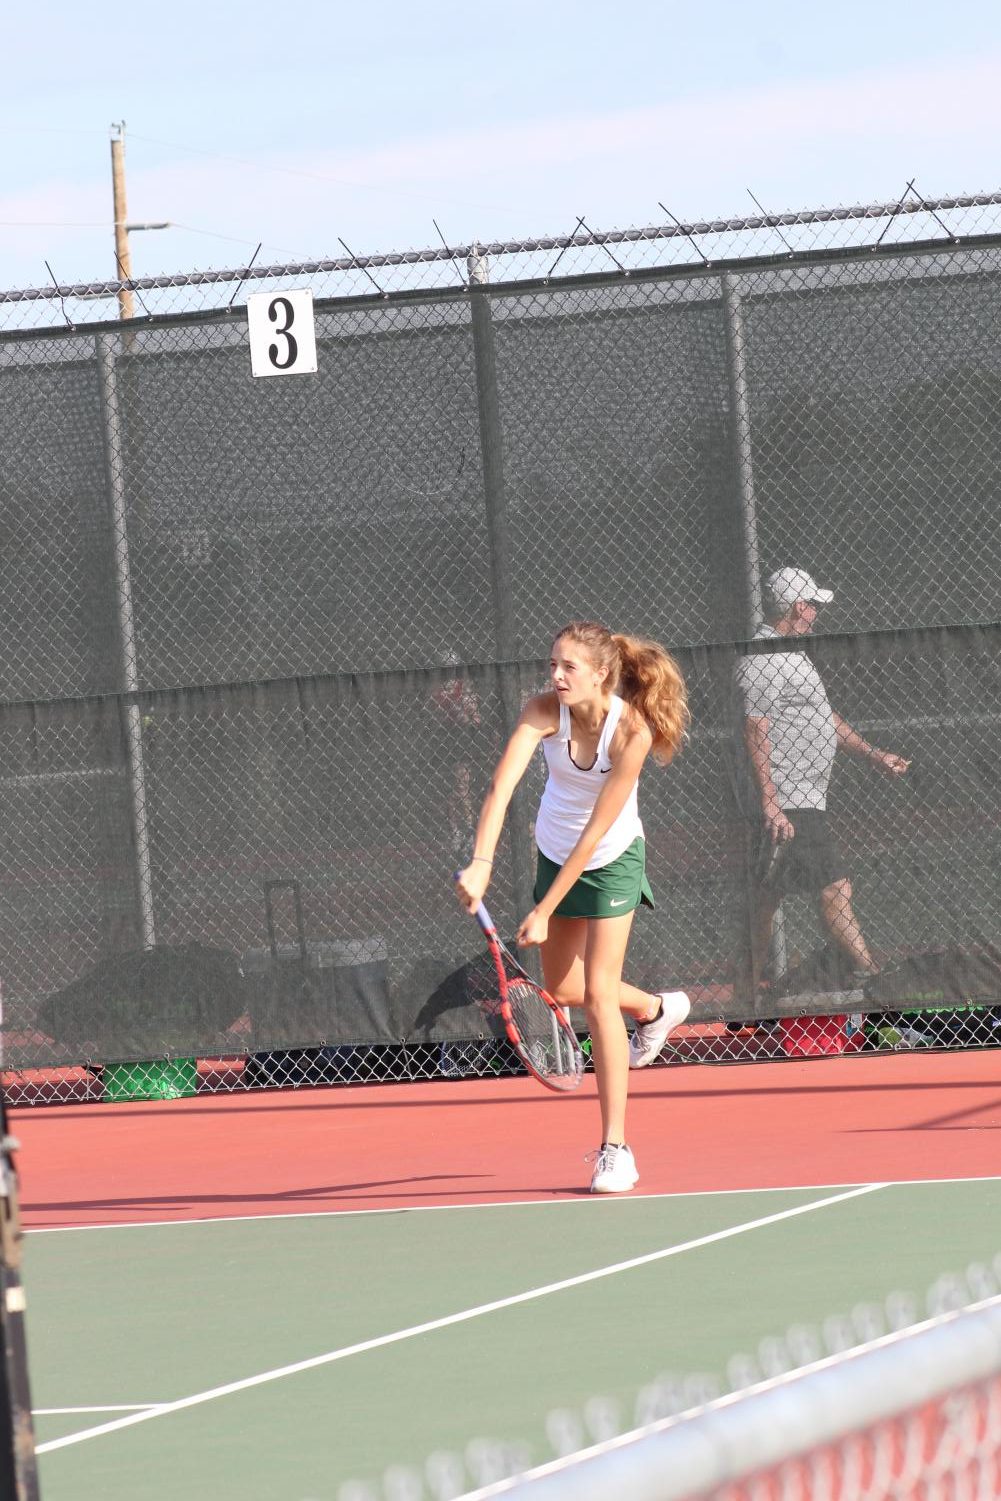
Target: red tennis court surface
694	1129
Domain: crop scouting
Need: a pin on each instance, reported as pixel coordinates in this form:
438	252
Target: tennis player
614	700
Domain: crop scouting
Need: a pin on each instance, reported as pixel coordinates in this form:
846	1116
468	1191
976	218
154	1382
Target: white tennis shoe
614	1170
649	1037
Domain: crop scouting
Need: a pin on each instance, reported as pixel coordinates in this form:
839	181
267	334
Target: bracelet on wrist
482	859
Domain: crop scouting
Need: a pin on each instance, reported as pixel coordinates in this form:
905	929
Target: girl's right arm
539	718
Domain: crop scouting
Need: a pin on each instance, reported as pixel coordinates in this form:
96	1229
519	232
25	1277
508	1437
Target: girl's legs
604	956
563	967
582	962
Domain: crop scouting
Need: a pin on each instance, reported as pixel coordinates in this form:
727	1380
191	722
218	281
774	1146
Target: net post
18	1467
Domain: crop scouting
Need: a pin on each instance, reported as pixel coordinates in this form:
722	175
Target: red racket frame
559	1083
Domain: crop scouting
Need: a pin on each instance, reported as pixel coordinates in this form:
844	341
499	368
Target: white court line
577	1201
55	1412
450	1319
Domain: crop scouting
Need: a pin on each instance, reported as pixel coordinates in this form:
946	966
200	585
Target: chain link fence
266	638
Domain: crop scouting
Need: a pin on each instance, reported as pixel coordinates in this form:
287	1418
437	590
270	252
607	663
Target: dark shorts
614	889
809	862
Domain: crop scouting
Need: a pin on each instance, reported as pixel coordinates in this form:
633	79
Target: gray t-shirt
785	689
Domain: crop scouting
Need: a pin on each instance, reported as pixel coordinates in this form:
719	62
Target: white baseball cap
788	585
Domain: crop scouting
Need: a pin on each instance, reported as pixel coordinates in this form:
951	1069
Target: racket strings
551	1048
533	1018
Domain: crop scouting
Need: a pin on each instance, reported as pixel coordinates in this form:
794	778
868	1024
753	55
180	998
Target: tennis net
913	1416
878	1405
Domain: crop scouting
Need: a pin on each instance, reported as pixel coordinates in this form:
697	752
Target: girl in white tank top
571	792
614	699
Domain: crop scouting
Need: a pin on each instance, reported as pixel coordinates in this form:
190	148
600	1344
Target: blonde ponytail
651	681
645	675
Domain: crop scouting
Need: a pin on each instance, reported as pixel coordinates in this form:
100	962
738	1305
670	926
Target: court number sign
282	333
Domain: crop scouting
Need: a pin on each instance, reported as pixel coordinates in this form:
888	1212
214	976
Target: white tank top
571	792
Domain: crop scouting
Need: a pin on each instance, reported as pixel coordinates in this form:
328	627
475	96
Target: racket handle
481	914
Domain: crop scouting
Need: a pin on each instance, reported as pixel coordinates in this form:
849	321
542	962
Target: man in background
791	736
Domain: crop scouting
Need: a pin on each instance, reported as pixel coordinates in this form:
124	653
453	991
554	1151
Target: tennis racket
772	862
535	1025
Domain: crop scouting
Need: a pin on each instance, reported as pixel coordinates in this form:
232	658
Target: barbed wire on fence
912	219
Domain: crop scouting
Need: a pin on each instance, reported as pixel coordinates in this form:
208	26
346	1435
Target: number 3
281	330
276	307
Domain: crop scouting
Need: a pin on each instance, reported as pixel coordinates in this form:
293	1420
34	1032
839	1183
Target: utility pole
123	258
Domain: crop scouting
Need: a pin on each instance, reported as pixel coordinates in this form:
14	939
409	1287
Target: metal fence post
740	423
492	445
106	345
501	573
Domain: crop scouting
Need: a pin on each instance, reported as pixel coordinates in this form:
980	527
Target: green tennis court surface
274	1359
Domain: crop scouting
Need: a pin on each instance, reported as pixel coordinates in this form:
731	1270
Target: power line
53	130
212	234
344	182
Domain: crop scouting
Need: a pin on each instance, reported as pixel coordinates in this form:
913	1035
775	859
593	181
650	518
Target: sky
305	126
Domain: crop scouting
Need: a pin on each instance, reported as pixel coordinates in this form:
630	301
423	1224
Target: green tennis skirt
621	886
